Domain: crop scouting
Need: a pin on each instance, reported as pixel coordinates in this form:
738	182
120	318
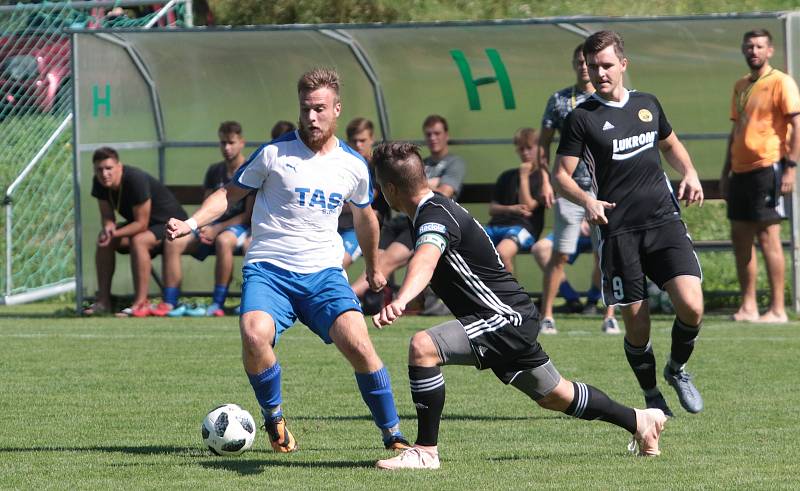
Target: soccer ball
228	430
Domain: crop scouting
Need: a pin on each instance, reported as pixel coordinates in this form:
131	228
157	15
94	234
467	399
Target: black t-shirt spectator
136	187
506	192
216	178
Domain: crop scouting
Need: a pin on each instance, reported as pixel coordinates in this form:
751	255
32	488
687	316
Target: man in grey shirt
445	173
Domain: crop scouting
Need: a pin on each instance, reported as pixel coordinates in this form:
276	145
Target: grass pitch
106	403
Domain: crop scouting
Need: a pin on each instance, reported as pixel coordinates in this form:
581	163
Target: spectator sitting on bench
517	209
225	237
360	137
445	173
280	128
146	205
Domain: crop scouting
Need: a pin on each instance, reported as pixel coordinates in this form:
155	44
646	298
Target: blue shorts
350	240
584	245
316	299
517	233
204	250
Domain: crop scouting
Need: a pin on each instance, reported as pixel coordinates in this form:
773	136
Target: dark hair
578	50
280	128
601	40
104	153
317	79
432	120
358	125
399	163
230	127
757	33
526	135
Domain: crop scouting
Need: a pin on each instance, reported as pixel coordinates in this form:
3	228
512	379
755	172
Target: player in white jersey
293	267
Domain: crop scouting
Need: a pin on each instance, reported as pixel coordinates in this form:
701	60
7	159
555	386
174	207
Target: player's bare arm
526	199
419	274
107	223
678	158
788	178
212	208
366	225
568	188
545	140
724	178
141	218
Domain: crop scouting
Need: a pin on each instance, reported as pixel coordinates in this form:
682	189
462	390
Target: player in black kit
496	323
619	134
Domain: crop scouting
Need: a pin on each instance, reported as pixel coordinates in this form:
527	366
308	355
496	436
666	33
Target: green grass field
105	403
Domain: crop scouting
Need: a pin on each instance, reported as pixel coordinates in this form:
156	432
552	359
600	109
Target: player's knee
538	383
421	350
225	242
257	330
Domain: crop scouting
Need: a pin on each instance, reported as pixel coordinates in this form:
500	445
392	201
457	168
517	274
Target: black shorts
396	230
158	229
507	350
756	196
628	259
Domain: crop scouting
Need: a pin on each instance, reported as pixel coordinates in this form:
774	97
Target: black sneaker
569	307
396	442
590	309
657	401
688	395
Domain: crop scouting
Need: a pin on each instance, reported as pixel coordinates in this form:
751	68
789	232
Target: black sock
591	403
683	338
427	392
643	364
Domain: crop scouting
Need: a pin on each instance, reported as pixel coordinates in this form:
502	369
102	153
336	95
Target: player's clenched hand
596	211
690	189
105	236
388	314
787	180
376	280
177	228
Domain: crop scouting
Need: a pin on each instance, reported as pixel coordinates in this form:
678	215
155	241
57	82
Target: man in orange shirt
760	167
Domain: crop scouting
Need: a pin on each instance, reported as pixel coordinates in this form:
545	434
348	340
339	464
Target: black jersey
619	143
470	277
216	178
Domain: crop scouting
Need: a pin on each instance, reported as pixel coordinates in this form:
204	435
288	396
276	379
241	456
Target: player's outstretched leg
349	333
639	353
546	386
687	297
264	373
428	394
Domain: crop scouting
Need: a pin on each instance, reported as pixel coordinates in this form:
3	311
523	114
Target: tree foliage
246	12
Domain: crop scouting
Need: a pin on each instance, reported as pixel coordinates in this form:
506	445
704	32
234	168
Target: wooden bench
482	193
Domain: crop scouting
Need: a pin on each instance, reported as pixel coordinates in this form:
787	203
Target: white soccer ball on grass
228	430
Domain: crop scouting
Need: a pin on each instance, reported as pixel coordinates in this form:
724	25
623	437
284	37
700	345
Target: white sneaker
610	326
547	326
649	425
413	458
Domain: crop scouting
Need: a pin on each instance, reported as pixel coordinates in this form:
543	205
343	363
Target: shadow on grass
133	450
257	466
445	417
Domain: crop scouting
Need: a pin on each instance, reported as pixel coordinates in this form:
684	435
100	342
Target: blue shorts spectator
517	233
240	231
350	240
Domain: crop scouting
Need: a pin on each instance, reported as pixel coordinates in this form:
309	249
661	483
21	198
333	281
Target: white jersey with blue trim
300	196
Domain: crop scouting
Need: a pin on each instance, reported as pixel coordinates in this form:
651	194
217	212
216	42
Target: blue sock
593	295
376	389
220	294
171	294
566	291
267	386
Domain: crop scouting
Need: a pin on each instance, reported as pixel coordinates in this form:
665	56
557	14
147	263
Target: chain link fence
36	171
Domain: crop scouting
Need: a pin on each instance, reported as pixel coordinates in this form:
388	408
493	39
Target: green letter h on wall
471	85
